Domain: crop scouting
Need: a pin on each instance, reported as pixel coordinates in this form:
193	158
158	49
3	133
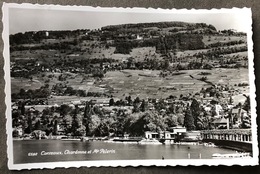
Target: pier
237	139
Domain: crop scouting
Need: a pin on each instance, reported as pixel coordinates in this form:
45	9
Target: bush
204	73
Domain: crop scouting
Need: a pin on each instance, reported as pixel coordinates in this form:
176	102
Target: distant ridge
160	25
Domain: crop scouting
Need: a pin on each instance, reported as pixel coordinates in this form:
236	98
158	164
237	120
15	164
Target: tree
130	62
136	125
70	91
15	133
231	100
180	119
152	127
172	120
15	118
143	106
246	121
136	104
171	109
37	125
87	117
246	105
137	100
93	124
29	128
189	120
195	111
111	102
21	107
212	27
75	123
64	110
129	100
67	120
204	121
22	93
165	64
154	121
55	130
120	122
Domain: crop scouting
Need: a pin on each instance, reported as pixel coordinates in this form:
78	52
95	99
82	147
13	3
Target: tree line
93	120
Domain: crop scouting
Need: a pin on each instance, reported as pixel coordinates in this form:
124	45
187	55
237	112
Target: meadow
146	83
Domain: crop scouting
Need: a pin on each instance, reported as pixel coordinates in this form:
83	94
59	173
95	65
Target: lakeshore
52	150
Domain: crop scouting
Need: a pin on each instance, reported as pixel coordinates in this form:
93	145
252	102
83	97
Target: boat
111	140
209	144
187	143
70	139
127	140
231	155
149	141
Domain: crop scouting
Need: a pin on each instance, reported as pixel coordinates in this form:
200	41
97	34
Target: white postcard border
123	163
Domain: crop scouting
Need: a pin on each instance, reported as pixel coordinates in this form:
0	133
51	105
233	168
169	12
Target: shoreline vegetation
126	80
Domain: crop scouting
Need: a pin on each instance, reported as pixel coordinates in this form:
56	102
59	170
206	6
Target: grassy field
192	52
149	84
23	83
146	83
223	39
245	53
143	52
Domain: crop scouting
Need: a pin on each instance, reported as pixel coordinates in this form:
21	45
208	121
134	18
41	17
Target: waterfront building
149	134
176	133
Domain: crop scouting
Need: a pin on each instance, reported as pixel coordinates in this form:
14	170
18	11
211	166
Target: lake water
35	151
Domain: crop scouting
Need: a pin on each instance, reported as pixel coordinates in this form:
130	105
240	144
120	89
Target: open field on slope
149	84
222	39
23	83
192	52
146	83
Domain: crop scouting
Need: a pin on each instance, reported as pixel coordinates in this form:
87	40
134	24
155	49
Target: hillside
166	37
150	76
160	46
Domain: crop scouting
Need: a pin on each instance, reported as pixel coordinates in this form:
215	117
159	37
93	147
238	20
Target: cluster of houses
221	119
175	134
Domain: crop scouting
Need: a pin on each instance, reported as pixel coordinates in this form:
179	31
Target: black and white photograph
94	86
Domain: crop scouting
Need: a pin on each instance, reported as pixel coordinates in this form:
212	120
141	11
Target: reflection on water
34	151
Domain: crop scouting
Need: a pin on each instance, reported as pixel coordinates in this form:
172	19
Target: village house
178	129
110	41
218	109
221	123
138	37
237	115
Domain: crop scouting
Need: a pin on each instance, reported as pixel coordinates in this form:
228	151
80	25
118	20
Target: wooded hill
166	37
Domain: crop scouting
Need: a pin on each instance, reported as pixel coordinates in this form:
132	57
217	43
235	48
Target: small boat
127	140
70	139
187	143
231	155
149	141
109	140
209	144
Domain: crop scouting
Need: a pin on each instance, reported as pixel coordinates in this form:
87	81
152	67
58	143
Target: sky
36	19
